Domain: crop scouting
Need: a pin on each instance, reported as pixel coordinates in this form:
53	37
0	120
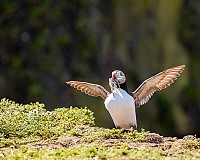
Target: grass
30	132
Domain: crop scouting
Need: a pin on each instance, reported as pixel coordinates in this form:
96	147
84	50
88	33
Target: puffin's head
118	78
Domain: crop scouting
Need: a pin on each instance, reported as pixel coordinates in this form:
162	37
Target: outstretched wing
95	90
156	83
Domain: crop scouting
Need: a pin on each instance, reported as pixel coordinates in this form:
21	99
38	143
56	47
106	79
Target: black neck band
123	86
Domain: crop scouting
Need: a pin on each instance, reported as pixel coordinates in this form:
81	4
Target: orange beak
113	77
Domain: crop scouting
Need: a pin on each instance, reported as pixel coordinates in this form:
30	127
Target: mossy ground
31	132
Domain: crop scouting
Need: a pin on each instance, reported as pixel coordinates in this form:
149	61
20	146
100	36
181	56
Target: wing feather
91	89
155	83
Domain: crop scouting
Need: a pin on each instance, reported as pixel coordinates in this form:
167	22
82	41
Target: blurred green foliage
45	43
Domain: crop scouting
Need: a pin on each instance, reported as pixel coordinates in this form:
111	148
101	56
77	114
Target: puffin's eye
121	74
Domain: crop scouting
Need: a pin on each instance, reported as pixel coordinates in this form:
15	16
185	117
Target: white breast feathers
121	107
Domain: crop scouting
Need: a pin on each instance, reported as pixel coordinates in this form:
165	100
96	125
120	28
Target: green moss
135	135
32	121
190	144
112	134
119	151
138	136
30	132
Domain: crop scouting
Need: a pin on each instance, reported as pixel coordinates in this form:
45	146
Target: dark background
44	43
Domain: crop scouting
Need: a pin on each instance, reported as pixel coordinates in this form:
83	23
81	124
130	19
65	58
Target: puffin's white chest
121	107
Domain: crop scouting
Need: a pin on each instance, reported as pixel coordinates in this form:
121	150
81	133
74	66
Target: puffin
122	104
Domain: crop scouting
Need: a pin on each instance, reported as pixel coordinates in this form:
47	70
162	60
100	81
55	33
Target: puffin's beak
113	77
